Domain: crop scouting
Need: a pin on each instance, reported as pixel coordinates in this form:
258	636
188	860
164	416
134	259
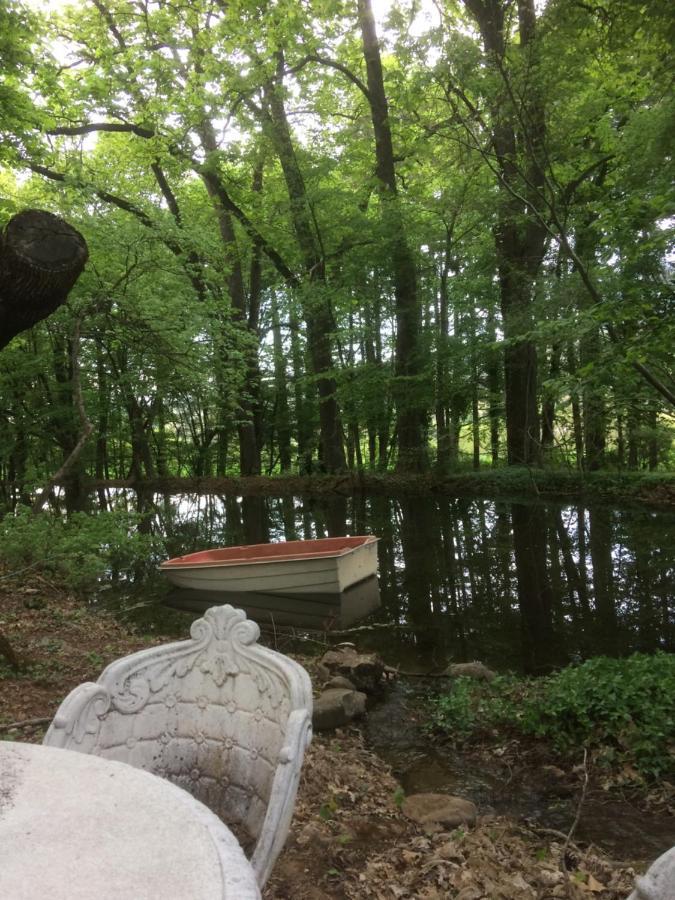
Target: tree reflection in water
519	586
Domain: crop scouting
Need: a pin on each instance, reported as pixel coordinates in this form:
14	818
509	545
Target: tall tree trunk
519	235
411	410
282	415
577	423
548	405
443	328
314	294
496	410
245	319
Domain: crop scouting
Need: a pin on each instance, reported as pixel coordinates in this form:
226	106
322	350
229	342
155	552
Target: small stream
523	587
394	730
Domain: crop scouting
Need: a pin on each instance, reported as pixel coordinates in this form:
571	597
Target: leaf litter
349	839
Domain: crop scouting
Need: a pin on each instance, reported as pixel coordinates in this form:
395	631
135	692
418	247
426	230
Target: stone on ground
336	707
439	811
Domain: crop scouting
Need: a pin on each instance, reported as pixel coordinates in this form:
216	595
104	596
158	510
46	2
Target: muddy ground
349	838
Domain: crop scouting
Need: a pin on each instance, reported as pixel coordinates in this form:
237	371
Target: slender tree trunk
594	414
443	327
475	419
519	235
548	405
494	390
411	411
577	423
653	442
314	295
246	319
70	473
282	415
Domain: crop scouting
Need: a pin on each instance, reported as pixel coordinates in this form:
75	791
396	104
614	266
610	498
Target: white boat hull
320	575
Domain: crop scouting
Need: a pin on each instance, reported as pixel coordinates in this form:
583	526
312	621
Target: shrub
81	550
623	709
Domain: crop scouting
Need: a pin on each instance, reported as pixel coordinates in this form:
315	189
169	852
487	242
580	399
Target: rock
659	882
339	681
364	670
336	707
470	670
439	811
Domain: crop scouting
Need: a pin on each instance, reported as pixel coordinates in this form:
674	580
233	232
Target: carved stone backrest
218	715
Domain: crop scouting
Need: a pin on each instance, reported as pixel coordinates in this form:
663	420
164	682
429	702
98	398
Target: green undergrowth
79	550
622	710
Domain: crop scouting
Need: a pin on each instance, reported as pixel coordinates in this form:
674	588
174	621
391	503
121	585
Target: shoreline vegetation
655	489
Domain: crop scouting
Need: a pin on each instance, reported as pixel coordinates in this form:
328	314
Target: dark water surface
522	587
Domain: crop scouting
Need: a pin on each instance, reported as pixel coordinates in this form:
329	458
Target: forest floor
655	489
349	838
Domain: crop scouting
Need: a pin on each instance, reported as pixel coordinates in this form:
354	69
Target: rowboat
323	566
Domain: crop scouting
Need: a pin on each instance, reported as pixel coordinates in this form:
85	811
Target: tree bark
411	411
520	235
41	258
315	309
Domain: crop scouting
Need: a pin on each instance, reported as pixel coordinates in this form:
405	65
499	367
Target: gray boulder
475	669
336	707
339	681
364	670
439	812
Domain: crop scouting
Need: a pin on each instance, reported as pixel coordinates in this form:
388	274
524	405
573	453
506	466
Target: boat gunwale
264	560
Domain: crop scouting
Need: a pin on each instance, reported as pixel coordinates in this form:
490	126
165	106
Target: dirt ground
349	838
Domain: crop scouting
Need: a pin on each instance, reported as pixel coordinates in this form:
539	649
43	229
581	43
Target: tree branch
223	196
167	193
91	127
332	64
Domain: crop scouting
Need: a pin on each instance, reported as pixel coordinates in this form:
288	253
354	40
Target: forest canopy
333	235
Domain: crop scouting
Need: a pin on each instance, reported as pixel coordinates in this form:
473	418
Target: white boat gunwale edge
262	560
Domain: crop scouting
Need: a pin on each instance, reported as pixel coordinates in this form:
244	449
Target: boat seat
219	715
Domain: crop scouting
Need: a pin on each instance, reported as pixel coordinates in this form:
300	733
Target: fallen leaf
594	885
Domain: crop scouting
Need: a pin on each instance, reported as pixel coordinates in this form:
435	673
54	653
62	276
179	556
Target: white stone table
77	827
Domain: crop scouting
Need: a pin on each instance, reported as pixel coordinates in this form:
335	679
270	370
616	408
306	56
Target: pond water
522	587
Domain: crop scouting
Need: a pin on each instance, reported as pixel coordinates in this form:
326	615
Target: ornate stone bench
218	715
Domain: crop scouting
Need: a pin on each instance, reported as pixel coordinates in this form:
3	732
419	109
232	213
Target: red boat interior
270	552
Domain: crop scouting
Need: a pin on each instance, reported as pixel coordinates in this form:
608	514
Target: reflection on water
318	612
524	587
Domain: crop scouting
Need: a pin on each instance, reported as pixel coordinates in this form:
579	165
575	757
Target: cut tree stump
41	258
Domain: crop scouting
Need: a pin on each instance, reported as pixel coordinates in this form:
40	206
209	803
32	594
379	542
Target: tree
411	406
